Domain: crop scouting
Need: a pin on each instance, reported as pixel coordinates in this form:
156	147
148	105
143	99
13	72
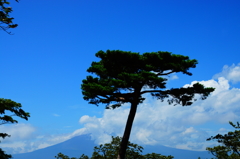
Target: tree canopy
12	108
230	144
110	150
6	21
124	76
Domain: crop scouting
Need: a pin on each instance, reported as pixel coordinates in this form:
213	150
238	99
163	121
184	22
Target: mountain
73	147
83	144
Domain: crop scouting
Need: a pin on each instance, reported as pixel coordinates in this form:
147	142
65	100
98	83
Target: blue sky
44	62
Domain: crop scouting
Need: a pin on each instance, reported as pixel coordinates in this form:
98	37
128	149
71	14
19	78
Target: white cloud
174	77
101	129
24	139
17	131
221	85
56	115
231	73
20	133
157	122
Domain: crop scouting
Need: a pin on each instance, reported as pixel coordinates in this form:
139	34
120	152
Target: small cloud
56	115
172	77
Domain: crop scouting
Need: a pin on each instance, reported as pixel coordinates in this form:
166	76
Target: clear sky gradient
43	64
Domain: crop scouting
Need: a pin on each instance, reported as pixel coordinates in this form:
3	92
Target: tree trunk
126	135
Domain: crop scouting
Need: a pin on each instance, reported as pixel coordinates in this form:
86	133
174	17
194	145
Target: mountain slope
83	144
177	153
74	147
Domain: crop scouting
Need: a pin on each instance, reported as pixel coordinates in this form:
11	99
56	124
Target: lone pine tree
123	77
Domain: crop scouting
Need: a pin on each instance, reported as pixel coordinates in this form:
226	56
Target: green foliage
6	22
62	156
3	155
110	151
230	144
8	106
157	156
121	74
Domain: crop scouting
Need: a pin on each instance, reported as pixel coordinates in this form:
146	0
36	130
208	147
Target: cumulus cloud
17	131
158	122
101	129
25	139
19	134
231	73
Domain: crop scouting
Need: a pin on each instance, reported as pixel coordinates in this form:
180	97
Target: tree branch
151	91
102	96
164	74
